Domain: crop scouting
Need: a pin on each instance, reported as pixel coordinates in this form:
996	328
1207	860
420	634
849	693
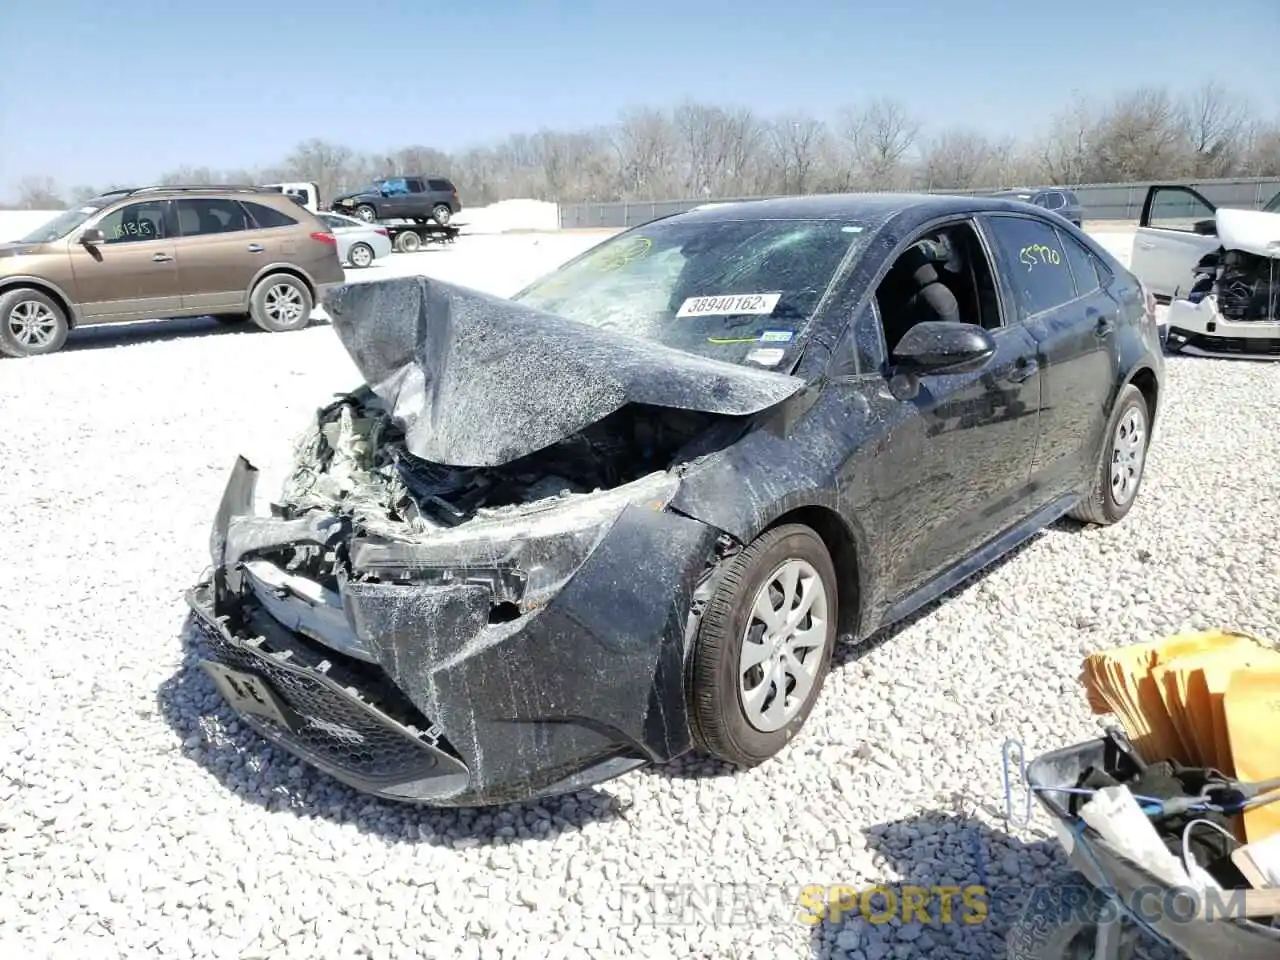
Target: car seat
927	296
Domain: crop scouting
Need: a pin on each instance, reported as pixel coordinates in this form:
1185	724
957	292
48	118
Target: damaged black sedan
626	513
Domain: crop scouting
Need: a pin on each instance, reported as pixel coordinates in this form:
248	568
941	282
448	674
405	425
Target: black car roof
848	206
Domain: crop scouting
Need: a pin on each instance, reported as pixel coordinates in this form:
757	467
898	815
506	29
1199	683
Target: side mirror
943	347
1206	228
92	236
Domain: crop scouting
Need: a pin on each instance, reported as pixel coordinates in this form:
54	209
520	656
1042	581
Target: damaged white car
1220	268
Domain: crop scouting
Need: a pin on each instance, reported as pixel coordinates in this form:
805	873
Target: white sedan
359	243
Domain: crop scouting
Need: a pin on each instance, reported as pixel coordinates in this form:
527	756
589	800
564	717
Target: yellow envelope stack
1208	699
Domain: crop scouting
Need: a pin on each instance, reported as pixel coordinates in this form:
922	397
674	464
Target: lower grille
1241	345
336	729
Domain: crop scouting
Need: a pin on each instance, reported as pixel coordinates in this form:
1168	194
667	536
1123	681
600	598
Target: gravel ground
138	819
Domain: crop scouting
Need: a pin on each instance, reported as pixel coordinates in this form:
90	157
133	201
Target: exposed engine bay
1247	286
351	467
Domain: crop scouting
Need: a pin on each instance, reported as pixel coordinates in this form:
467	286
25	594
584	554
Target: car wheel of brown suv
31	323
280	303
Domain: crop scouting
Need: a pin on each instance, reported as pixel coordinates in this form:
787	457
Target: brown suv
235	253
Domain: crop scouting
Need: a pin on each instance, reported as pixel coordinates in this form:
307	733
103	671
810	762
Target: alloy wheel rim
284	303
361	256
1128	451
32	323
782	645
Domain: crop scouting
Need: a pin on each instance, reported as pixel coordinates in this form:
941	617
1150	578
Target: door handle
1025	368
161	258
256	248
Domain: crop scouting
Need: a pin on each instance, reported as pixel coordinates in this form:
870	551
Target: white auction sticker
769	357
749	303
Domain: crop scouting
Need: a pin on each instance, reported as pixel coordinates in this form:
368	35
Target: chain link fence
1101	201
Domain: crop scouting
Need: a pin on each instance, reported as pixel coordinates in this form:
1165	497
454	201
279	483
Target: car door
954	469
396	200
1056	293
133	273
1176	229
219	253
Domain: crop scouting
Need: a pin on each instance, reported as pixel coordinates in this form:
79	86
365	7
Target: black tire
230	319
268	302
360	252
1061	922
717	715
32	323
1099	504
366	213
441	214
408	242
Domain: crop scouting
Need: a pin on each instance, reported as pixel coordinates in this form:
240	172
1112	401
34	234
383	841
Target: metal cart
1103	928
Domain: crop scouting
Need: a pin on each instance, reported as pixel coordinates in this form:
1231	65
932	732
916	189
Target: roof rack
187	188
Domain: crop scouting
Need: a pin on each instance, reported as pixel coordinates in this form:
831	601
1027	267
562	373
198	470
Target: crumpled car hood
1253	231
477	380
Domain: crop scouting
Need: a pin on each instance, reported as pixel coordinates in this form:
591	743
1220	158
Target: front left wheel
763	647
31	324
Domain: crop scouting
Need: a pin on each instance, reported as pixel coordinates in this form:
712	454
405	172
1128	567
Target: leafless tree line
703	150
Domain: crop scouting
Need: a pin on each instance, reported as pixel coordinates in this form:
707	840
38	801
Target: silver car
359	243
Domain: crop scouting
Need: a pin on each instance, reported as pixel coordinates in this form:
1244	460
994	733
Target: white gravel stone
138	819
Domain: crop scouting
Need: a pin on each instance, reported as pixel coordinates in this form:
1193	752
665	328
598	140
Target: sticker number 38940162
748	303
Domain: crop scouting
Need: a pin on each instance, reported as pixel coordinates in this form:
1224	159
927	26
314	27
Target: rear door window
440	186
1033	259
202	217
1085	267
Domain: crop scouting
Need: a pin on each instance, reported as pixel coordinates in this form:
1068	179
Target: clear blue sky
93	92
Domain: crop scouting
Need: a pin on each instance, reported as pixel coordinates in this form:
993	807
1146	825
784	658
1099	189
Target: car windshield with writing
734	290
62	224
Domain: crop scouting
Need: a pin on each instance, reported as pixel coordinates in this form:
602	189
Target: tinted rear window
443	185
264	217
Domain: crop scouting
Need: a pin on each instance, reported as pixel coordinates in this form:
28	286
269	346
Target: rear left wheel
281	303
1118	474
763	647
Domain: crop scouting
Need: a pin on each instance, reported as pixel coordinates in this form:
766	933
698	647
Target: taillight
324	237
382	231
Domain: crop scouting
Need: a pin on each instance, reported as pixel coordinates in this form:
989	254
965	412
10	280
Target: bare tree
955	160
644	143
39	193
1139	138
1064	151
878	137
1216	123
798	141
706	150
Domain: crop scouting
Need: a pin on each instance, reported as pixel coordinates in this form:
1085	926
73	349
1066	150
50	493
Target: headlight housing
525	554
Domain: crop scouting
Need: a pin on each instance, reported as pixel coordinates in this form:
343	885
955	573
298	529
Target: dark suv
1060	200
402	198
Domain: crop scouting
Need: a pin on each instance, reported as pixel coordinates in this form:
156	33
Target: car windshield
734	290
62	224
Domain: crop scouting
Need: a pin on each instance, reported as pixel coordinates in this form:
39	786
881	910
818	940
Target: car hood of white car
1253	231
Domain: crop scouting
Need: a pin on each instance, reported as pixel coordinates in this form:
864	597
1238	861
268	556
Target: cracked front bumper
1200	330
449	705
